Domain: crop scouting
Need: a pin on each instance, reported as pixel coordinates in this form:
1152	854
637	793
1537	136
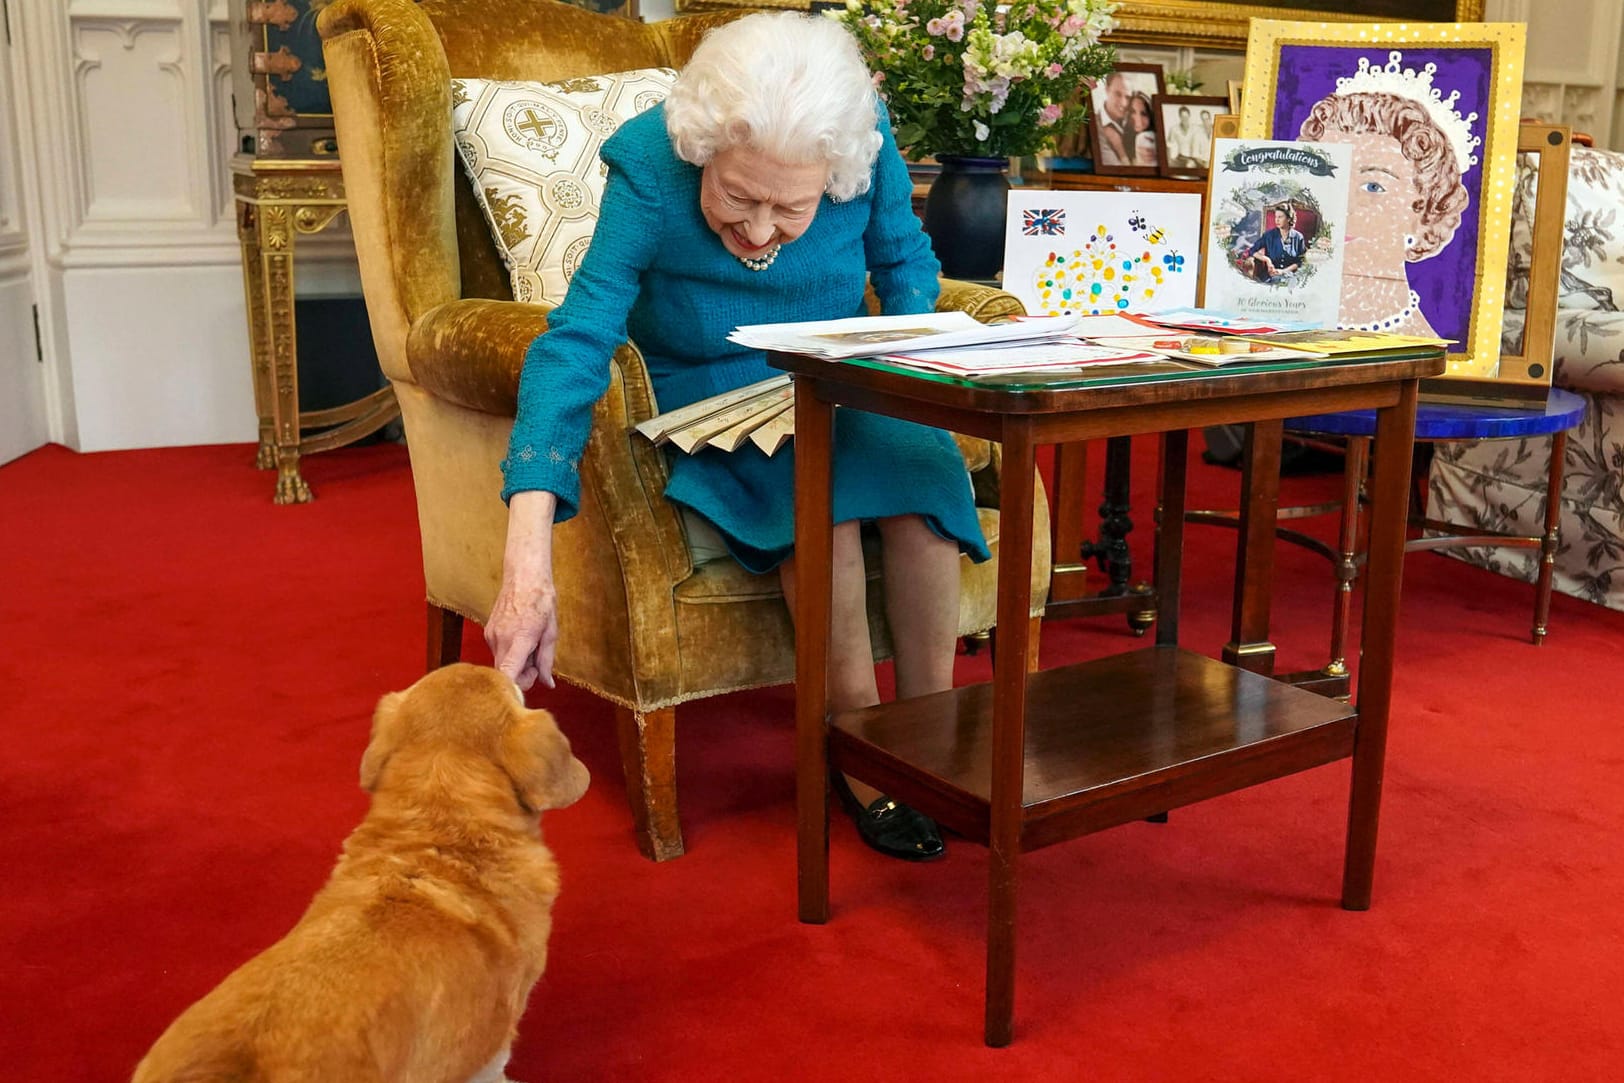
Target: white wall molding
173	10
1573	71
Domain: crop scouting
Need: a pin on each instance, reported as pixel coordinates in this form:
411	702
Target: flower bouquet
971	79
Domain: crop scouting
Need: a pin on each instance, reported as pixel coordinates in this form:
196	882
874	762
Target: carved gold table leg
277	200
259	348
274	229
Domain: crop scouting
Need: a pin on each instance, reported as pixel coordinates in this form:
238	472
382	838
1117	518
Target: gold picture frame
1432	218
1224	26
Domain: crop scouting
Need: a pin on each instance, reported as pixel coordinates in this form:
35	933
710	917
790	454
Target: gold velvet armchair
642	626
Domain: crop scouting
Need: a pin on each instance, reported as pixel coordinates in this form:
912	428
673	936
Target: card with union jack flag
1043	222
1097	253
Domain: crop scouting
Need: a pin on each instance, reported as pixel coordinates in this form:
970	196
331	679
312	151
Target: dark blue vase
964	215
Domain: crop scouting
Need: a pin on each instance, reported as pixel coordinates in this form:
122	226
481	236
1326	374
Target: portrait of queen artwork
1429	112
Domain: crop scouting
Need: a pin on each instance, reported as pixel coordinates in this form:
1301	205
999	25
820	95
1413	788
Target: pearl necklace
1389	322
761	263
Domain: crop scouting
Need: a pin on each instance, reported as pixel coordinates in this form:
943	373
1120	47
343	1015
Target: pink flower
928	52
879	77
1053	71
950	26
1048	115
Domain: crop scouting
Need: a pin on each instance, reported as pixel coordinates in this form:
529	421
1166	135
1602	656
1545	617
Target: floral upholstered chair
1500	484
645	625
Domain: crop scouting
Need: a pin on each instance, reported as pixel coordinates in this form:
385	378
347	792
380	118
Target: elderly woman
766	188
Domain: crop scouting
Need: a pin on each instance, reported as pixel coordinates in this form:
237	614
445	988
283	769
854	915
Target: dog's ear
537	757
385	736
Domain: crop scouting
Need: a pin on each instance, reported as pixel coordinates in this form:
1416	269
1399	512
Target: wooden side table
277	200
1025	762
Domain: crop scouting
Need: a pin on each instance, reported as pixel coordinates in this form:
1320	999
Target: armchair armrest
985	303
471	351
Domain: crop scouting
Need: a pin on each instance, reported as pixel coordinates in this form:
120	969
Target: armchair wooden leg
445	637
648	755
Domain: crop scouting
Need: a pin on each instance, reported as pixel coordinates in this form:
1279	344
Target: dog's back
414	962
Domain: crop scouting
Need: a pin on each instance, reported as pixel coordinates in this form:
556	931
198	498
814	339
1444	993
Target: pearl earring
1409	240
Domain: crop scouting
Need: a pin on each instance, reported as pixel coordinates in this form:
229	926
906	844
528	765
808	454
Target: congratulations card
1278	223
1097	253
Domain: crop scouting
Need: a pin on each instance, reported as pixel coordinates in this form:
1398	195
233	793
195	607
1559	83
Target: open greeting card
1097	253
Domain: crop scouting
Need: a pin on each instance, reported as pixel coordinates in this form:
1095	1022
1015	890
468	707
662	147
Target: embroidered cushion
531	151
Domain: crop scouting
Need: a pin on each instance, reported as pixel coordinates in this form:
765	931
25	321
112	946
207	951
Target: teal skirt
883	467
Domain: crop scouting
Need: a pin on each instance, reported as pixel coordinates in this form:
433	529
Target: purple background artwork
1447	281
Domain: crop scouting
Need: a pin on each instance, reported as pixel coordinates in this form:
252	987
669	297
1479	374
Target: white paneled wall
23	409
116	214
1575	64
137	267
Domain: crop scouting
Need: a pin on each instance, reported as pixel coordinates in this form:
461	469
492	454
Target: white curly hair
789	85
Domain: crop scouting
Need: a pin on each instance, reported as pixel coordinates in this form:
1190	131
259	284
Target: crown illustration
1394	78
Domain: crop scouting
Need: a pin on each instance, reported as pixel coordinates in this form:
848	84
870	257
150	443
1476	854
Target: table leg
1553	532
1389	516
1168	572
1070	577
1112	550
259	346
1347	561
275	231
814	552
1249	646
1008	726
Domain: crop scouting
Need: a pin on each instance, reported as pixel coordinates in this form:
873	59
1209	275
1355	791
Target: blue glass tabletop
1459	421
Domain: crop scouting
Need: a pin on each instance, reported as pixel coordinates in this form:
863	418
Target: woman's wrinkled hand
522	630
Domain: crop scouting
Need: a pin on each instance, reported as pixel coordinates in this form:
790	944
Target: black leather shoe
892	828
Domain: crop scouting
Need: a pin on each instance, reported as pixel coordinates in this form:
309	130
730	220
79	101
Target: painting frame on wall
1185	122
1203	24
1117	105
1428	218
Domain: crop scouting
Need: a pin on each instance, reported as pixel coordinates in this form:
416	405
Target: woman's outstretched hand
522	631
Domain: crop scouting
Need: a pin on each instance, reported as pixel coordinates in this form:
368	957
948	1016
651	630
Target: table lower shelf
1108	741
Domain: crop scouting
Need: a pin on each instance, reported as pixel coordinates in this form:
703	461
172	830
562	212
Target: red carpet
189	676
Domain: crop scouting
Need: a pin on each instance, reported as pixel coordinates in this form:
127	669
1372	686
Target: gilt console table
1030	760
279	199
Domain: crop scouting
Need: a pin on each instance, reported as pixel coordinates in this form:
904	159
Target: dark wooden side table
1028	761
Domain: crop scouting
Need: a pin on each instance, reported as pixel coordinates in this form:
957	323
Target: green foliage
962	77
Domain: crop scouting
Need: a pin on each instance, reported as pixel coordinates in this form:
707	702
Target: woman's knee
910	531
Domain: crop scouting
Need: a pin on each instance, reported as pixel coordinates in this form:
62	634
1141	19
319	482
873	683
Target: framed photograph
1185	122
1122	121
1234	89
1430	111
